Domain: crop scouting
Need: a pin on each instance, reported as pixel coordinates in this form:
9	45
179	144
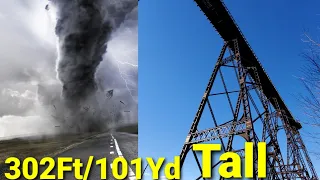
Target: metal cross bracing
258	113
255	118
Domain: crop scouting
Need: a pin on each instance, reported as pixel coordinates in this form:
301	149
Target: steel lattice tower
257	103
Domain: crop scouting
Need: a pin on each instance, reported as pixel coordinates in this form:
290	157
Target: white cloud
25	126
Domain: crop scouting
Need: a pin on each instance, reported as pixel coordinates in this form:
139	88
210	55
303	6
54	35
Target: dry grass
36	147
128	128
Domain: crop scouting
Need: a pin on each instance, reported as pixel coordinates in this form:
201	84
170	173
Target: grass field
37	147
49	146
128	128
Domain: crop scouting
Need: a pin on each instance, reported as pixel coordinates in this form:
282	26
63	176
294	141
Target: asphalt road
107	146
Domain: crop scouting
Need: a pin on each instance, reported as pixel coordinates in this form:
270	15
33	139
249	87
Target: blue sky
178	49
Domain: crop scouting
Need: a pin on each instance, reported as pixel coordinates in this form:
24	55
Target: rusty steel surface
221	19
254	120
286	161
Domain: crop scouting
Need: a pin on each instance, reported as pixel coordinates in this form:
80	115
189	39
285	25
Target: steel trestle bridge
288	161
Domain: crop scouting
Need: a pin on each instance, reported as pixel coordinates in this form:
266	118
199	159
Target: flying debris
122	103
109	94
86	108
47	7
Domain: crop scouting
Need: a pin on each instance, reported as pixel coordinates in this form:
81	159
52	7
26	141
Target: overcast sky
28	55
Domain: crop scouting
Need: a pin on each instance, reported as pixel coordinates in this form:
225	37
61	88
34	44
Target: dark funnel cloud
83	29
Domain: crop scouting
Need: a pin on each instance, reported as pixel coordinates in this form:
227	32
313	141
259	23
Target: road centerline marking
131	174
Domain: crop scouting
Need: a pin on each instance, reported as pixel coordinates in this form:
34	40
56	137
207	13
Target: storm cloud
30	56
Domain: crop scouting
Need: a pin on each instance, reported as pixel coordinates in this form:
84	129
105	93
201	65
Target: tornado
83	29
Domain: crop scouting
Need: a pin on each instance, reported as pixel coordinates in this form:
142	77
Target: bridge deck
221	19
